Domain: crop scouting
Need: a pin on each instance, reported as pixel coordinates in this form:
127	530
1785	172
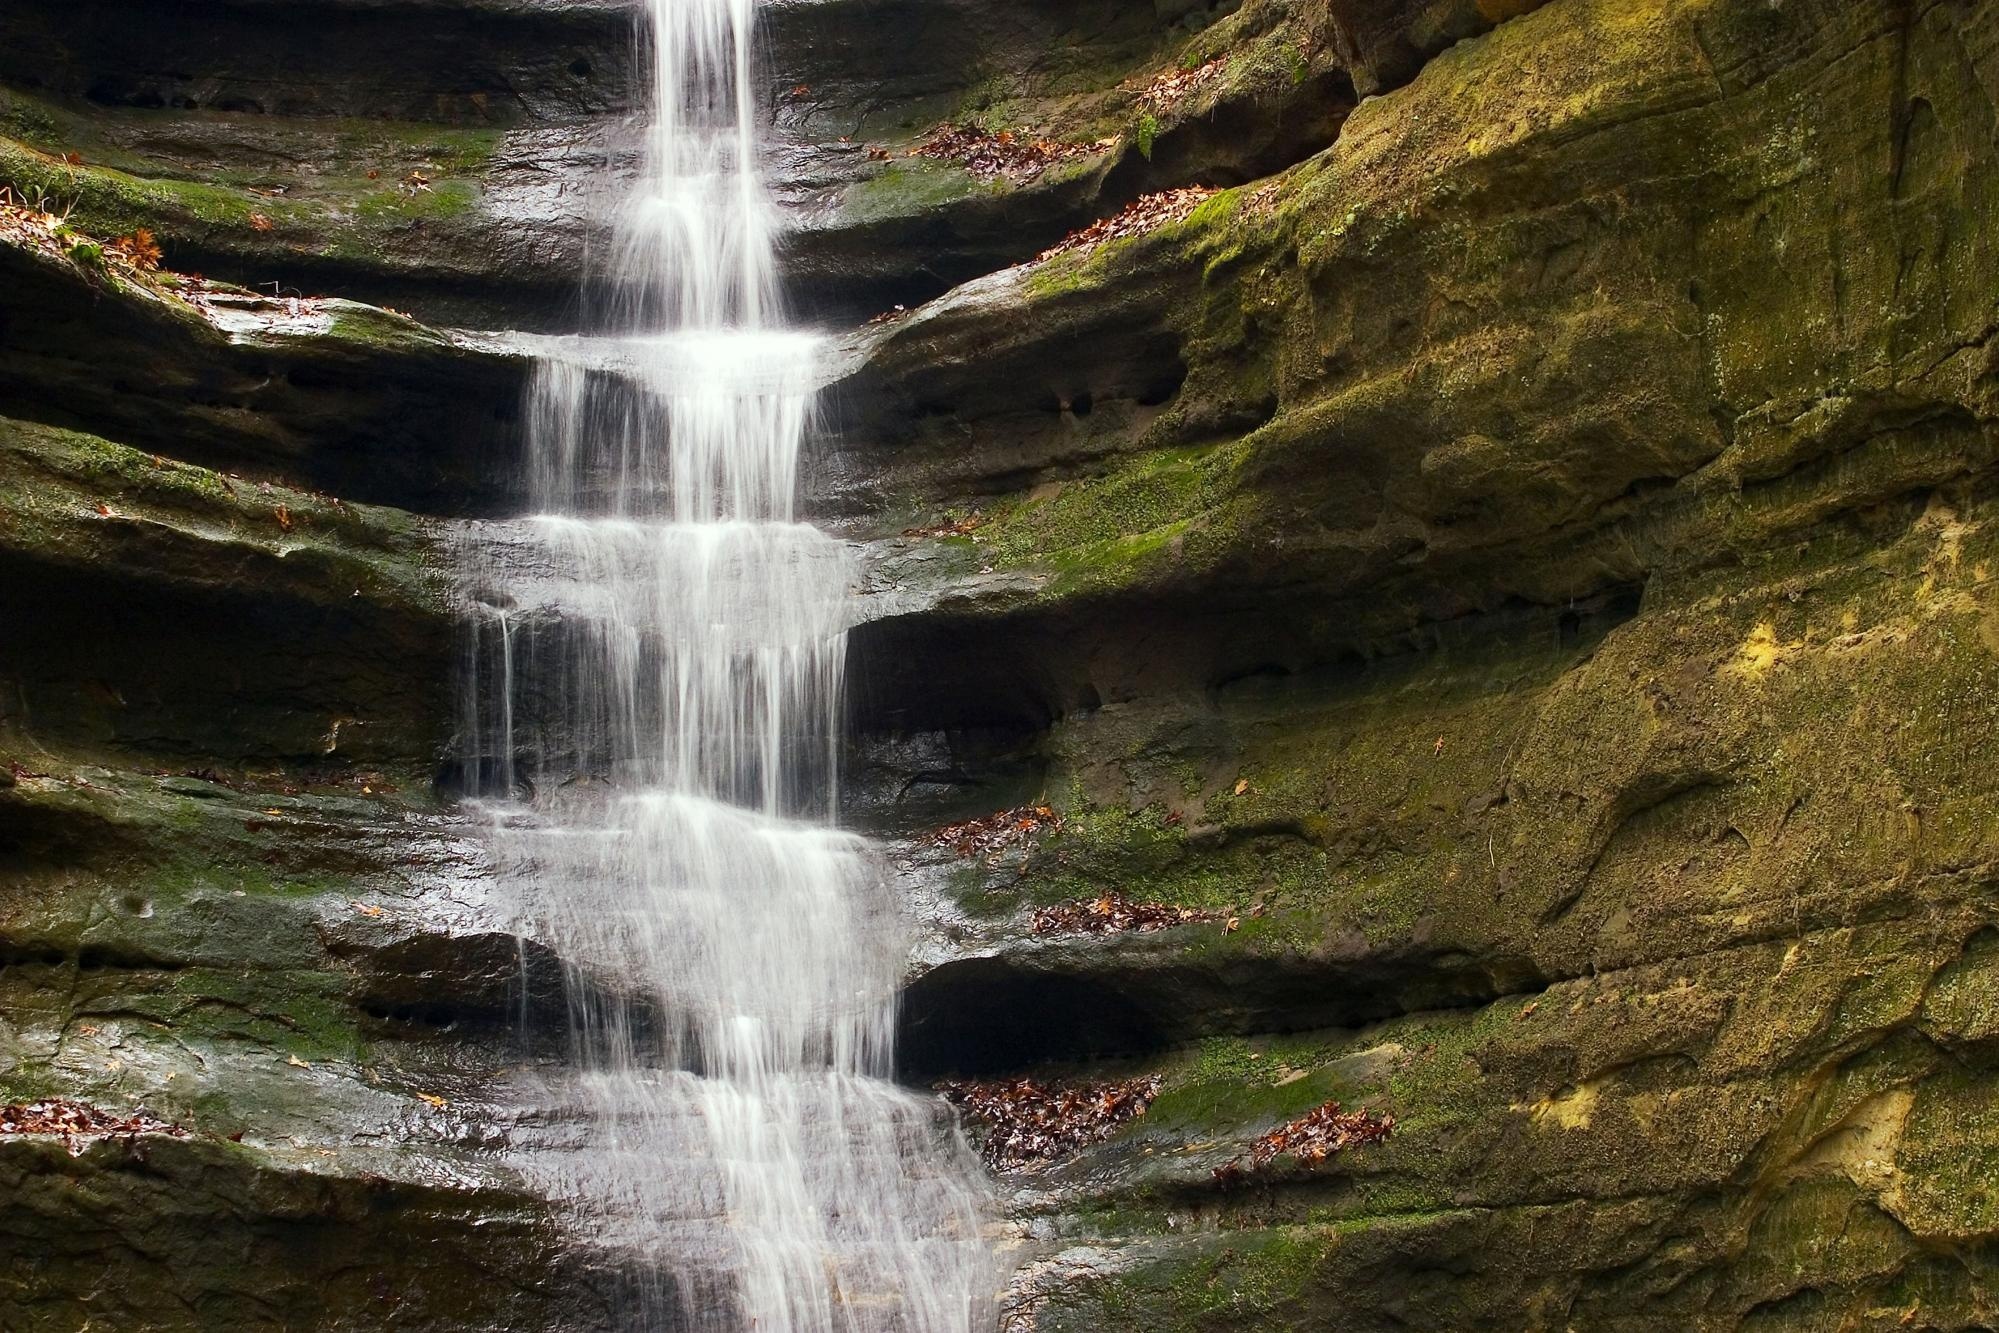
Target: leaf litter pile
76	1122
1147	213
1114	912
1311	1139
1005	155
1175	86
1023	1120
991	835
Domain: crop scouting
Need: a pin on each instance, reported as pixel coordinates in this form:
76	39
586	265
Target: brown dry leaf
995	833
1311	1139
433	1101
990	156
75	1121
1114	912
258	222
1022	1120
1142	215
139	250
1174	86
284	517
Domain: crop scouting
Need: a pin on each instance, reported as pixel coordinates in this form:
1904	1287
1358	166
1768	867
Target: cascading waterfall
658	656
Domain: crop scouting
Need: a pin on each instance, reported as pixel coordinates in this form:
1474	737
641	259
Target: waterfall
654	702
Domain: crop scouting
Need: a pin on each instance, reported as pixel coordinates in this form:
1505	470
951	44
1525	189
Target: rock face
1515	563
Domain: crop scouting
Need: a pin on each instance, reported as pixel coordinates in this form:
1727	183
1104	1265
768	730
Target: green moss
29	120
56	487
1261	1280
907	186
342	213
444	199
302	1015
1146	131
1238	1087
1949	1157
1145	515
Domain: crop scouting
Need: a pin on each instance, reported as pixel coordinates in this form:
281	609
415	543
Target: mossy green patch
65	493
1144	516
907	186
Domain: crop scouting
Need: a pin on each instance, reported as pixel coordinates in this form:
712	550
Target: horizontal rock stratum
1515	560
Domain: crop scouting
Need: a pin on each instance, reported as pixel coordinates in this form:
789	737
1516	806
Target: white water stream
658	658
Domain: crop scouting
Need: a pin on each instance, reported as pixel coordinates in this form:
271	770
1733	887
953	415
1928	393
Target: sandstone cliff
1517	549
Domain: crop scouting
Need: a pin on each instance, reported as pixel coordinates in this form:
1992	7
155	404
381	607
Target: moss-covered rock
1527	564
164	609
326	394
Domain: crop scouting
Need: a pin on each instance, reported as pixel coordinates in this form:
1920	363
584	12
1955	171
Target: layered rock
1513	562
1520	565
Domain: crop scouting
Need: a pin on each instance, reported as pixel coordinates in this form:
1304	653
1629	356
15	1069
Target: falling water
658	661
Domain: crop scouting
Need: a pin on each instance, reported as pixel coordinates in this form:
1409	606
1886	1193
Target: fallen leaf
1113	912
104	509
139	250
433	1101
284	517
1311	1139
368	909
75	1121
988	156
258	222
296	1063
995	833
1176	85
1141	215
1022	1120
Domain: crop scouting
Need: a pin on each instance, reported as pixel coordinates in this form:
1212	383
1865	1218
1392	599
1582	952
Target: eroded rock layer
1508	555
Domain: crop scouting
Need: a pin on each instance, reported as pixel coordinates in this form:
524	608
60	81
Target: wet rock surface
1514	564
